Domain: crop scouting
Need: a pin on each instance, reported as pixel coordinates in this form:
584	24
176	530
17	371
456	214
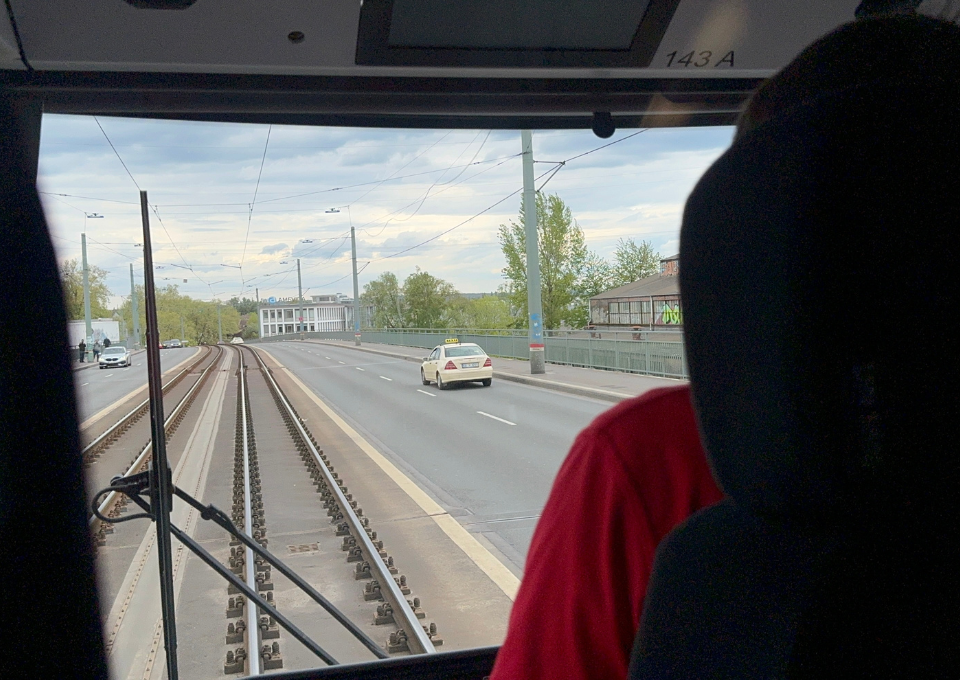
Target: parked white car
114	355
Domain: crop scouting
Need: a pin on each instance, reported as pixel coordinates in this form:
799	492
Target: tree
385	296
426	298
244	306
596	277
253	327
563	259
632	262
71	275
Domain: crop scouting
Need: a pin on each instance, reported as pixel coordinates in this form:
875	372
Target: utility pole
356	290
86	297
299	301
219	323
134	311
534	307
183	333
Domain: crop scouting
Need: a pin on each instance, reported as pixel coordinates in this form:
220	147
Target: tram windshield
315	201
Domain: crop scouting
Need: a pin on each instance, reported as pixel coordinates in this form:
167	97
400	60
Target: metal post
534	306
299	301
183	333
356	290
160	477
86	298
134	311
219	324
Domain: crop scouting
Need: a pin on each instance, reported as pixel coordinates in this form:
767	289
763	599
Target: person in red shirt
631	476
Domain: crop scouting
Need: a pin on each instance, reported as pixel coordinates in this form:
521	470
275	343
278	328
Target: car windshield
464	351
115	350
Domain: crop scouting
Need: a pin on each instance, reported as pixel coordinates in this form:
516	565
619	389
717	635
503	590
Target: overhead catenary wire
256	189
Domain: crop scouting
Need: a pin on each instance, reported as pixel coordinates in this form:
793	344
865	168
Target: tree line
199	317
570	274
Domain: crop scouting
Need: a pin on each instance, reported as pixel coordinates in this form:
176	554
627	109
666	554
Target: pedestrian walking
83	351
96	350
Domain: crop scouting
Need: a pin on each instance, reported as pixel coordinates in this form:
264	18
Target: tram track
113	504
385	599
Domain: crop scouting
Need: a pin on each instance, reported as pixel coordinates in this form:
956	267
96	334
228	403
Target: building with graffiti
652	303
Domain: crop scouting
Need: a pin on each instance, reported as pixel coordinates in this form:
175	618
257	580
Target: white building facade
320	313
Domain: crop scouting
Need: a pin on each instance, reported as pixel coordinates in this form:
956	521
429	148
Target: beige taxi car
454	362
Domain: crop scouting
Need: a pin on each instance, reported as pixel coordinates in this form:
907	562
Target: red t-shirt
632	475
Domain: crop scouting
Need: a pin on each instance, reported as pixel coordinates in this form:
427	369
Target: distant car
114	355
454	362
170	344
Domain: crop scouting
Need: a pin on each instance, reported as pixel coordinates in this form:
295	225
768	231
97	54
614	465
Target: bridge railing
629	351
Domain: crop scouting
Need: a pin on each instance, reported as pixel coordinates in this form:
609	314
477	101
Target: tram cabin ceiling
447	63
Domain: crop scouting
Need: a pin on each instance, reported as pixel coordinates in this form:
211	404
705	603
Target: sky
232	206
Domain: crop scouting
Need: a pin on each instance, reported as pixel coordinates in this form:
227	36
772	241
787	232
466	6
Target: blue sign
272	300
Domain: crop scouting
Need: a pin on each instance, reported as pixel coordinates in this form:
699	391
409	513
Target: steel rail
253	613
417	638
137	412
94	522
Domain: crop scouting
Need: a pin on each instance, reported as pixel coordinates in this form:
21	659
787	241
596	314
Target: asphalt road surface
488	455
97	389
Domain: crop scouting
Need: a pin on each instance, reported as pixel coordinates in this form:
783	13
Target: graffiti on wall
671	316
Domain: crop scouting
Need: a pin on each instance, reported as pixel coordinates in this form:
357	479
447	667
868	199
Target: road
487	455
97	389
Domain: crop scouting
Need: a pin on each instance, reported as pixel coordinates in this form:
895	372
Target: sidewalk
588	382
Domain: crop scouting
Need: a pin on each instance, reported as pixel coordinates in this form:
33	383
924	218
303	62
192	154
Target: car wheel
102	367
486	382
440	384
423	378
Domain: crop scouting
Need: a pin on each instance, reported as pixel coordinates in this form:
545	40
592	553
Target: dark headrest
818	258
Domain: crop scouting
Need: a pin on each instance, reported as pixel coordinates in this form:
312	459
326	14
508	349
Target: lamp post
88	322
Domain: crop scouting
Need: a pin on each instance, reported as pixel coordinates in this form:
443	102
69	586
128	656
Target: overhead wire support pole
356	290
160	476
534	307
134	311
299	301
88	324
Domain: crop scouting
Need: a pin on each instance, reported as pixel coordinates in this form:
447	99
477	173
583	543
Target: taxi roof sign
452	341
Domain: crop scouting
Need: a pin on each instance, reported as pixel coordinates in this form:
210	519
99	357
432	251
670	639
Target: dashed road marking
341	362
326	357
84	384
426	393
359	369
495	570
495	418
386	378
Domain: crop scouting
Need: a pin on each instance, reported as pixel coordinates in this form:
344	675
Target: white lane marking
108	375
495	418
326	357
495	570
84	384
340	362
386	378
359	369
426	393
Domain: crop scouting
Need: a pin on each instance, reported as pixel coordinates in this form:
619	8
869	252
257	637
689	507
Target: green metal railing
628	351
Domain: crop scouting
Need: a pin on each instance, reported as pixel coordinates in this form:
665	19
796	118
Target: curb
605	395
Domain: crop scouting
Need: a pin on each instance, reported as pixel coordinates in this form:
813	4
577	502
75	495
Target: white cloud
398	188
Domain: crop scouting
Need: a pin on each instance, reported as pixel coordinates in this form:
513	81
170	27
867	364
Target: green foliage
71	276
199	317
633	261
488	312
384	294
425	300
564	258
243	306
253	327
